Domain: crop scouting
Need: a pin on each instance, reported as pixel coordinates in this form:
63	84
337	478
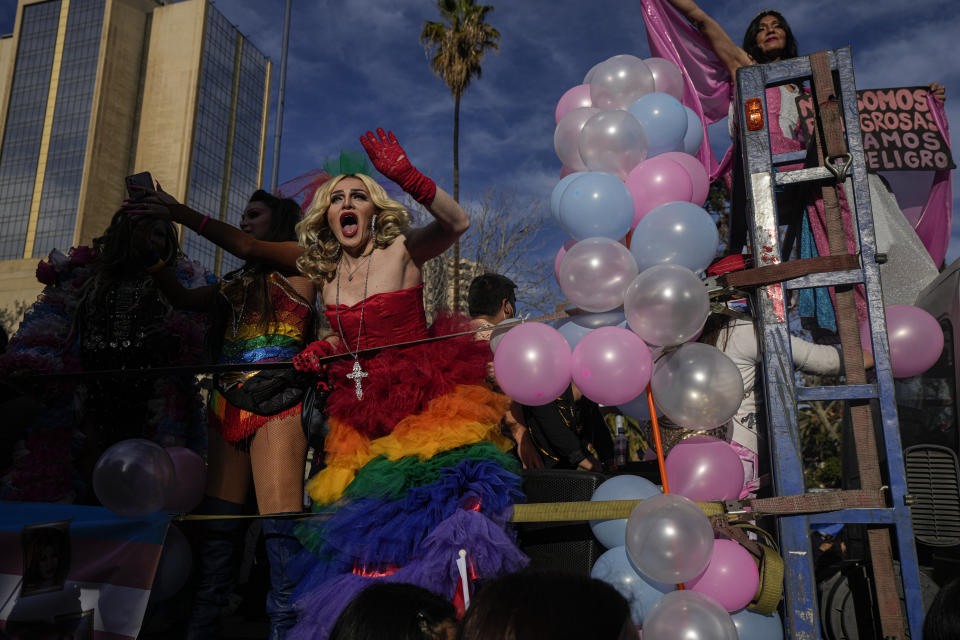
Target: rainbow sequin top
247	339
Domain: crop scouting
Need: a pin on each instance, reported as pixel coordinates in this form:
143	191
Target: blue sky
358	64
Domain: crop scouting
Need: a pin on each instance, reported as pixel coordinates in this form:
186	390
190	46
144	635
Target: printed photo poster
899	132
75	572
46	557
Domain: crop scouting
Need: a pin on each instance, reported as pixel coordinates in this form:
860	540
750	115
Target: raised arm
144	250
729	53
159	203
199	299
449	222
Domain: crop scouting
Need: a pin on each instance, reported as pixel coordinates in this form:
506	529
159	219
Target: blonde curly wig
321	249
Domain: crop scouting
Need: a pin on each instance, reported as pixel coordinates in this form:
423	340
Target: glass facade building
23	132
73	123
71	120
225	165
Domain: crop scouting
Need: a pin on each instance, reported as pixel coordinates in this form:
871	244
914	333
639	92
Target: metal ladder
890	518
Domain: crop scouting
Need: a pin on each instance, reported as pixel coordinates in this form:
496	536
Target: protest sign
899	134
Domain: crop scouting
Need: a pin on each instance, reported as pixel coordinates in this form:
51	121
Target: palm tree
457	47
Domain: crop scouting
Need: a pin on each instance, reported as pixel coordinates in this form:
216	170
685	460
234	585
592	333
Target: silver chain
357	374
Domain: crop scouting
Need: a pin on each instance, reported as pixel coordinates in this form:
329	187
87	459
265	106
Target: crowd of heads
528	605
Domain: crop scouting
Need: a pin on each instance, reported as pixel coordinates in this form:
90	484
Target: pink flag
707	82
936	220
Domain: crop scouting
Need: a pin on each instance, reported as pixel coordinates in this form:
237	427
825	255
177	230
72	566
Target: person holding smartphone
265	310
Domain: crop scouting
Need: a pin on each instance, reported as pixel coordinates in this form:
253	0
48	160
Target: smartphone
137	182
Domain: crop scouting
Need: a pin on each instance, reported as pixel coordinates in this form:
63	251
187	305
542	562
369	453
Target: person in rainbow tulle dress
415	467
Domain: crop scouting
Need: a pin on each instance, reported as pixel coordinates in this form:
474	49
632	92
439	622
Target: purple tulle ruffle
490	550
376	533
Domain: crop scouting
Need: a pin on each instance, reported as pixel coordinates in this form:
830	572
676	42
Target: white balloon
595	272
666	305
614	142
669	538
617	82
566	137
587	78
689	615
697	386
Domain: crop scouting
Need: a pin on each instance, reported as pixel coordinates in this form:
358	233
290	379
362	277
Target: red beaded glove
389	158
308	360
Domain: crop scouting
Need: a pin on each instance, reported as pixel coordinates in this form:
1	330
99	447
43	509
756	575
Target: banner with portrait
74	572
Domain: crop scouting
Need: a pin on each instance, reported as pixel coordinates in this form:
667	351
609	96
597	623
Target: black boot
281	546
218	561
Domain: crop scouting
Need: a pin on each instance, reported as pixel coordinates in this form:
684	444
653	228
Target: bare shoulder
303	286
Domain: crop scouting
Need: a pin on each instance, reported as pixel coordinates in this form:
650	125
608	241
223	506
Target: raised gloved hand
389	158
309	360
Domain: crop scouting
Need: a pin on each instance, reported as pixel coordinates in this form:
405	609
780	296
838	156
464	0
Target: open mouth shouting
349	224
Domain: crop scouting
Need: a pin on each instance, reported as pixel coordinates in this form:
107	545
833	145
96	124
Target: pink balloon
915	336
699	179
190	480
611	365
731	578
578	96
704	469
562	252
565	171
667	77
532	363
656	181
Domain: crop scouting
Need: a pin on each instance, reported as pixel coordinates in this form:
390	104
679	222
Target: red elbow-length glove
309	360
389	158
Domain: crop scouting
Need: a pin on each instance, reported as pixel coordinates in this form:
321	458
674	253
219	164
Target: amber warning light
754	111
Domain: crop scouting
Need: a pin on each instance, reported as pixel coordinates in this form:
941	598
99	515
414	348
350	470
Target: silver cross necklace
357	374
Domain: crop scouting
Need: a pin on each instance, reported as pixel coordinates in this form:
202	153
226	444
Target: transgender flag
82	572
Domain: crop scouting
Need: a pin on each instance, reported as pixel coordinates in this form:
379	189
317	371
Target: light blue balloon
615	568
558	192
613	533
664	121
571	331
756	626
596	205
604	319
675	233
574	328
693	138
638	408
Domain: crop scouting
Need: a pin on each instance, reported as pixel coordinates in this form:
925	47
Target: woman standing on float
768	38
265	313
416	469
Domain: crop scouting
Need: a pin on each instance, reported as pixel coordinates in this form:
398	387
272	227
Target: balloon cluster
630	198
137	477
666	540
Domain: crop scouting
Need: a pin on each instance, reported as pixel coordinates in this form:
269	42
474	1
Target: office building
94	90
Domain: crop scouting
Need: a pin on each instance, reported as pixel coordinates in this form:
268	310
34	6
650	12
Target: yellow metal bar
47	128
264	125
579	511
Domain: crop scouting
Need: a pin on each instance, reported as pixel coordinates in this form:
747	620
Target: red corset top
388	318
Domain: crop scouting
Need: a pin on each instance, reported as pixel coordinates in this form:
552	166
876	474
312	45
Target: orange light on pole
754	111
